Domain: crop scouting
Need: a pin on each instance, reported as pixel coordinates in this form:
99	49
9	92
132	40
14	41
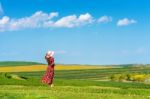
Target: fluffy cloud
104	19
44	20
4	20
34	21
73	20
4	23
125	22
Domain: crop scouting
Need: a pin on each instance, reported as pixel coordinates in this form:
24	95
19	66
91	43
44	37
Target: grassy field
73	82
31	68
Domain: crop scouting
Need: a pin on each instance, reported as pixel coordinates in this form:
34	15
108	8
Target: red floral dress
49	74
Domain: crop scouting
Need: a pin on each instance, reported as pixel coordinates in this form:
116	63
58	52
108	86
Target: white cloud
104	19
125	22
68	21
4	20
85	18
73	20
44	20
36	20
1	8
4	23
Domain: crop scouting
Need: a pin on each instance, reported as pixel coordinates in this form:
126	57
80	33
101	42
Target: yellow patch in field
43	68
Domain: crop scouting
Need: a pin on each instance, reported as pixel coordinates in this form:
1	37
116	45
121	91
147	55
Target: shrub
130	77
114	77
139	78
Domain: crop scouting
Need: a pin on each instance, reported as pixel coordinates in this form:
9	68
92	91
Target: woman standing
49	74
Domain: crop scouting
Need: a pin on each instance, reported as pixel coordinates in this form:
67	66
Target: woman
49	74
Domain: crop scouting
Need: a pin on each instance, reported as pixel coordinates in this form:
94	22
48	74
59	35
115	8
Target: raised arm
52	61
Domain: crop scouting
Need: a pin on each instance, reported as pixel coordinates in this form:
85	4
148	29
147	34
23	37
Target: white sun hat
51	53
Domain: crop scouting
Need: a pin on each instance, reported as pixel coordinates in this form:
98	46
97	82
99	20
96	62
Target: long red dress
49	74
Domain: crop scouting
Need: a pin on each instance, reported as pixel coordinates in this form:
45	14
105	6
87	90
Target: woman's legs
48	76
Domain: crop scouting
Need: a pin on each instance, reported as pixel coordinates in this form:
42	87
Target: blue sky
91	32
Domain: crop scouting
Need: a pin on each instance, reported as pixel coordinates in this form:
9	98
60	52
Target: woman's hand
47	56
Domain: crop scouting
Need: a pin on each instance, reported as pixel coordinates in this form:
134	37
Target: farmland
72	82
28	68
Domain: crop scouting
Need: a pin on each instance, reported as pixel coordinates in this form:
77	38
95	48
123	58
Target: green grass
32	88
93	74
74	84
70	92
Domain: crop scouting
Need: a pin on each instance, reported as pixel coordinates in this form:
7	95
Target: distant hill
18	63
25	63
133	65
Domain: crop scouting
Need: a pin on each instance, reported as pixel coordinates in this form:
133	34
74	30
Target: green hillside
23	63
74	84
18	63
